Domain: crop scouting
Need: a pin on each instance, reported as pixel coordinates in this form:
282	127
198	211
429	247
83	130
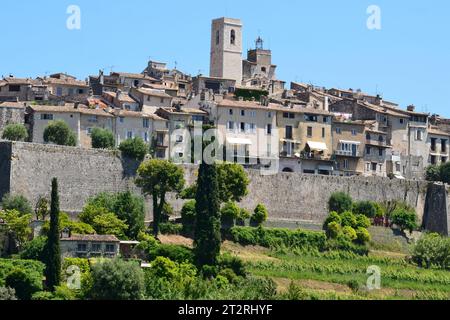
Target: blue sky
324	42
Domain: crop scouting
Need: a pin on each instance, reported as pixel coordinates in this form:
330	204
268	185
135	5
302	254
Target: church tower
226	49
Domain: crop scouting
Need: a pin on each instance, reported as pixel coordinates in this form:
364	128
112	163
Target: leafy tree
244	215
229	213
189	192
134	148
432	250
102	139
58	132
15	132
260	215
131	209
22	283
41	209
166	212
445	172
207	239
117	280
156	178
108	223
16	202
340	202
18	225
75	227
53	255
405	219
433	173
92	211
233	182
366	208
188	215
34	249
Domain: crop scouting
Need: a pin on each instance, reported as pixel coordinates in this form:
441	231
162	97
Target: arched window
288	170
263	69
217	37
233	37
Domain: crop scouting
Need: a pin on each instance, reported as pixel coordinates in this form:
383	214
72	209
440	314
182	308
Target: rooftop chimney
411	108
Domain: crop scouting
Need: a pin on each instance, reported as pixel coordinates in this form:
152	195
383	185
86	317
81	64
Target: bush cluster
275	237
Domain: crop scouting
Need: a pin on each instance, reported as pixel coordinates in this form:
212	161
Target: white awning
317	146
239	141
350	142
290	140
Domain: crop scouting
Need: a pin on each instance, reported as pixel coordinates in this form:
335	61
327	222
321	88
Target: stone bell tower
226	49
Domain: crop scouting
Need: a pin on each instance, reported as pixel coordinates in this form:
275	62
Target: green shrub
188	215
340	202
362	221
275	237
134	148
244	215
362	235
433	173
345	245
173	252
349	233
23	284
332	217
259	216
15	132
227	261
229	213
170	228
16	202
366	208
405	219
117	280
34	269
58	132
432	250
102	139
34	249
42	296
333	230
348	219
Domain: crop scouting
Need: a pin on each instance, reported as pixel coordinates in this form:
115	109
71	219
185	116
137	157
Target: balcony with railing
348	153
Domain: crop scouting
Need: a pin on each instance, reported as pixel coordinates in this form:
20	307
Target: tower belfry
259	44
226	49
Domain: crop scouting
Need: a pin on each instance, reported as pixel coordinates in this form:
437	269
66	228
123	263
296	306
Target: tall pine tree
53	255
207	228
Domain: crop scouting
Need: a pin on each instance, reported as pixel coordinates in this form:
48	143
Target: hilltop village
308	129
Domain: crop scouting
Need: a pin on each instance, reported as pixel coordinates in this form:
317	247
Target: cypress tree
207	239
53	259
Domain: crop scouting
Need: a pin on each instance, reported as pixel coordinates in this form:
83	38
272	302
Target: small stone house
89	246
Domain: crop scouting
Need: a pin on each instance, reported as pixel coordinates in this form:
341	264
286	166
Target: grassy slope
328	275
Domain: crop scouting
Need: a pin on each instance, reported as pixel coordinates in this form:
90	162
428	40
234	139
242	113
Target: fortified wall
27	169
